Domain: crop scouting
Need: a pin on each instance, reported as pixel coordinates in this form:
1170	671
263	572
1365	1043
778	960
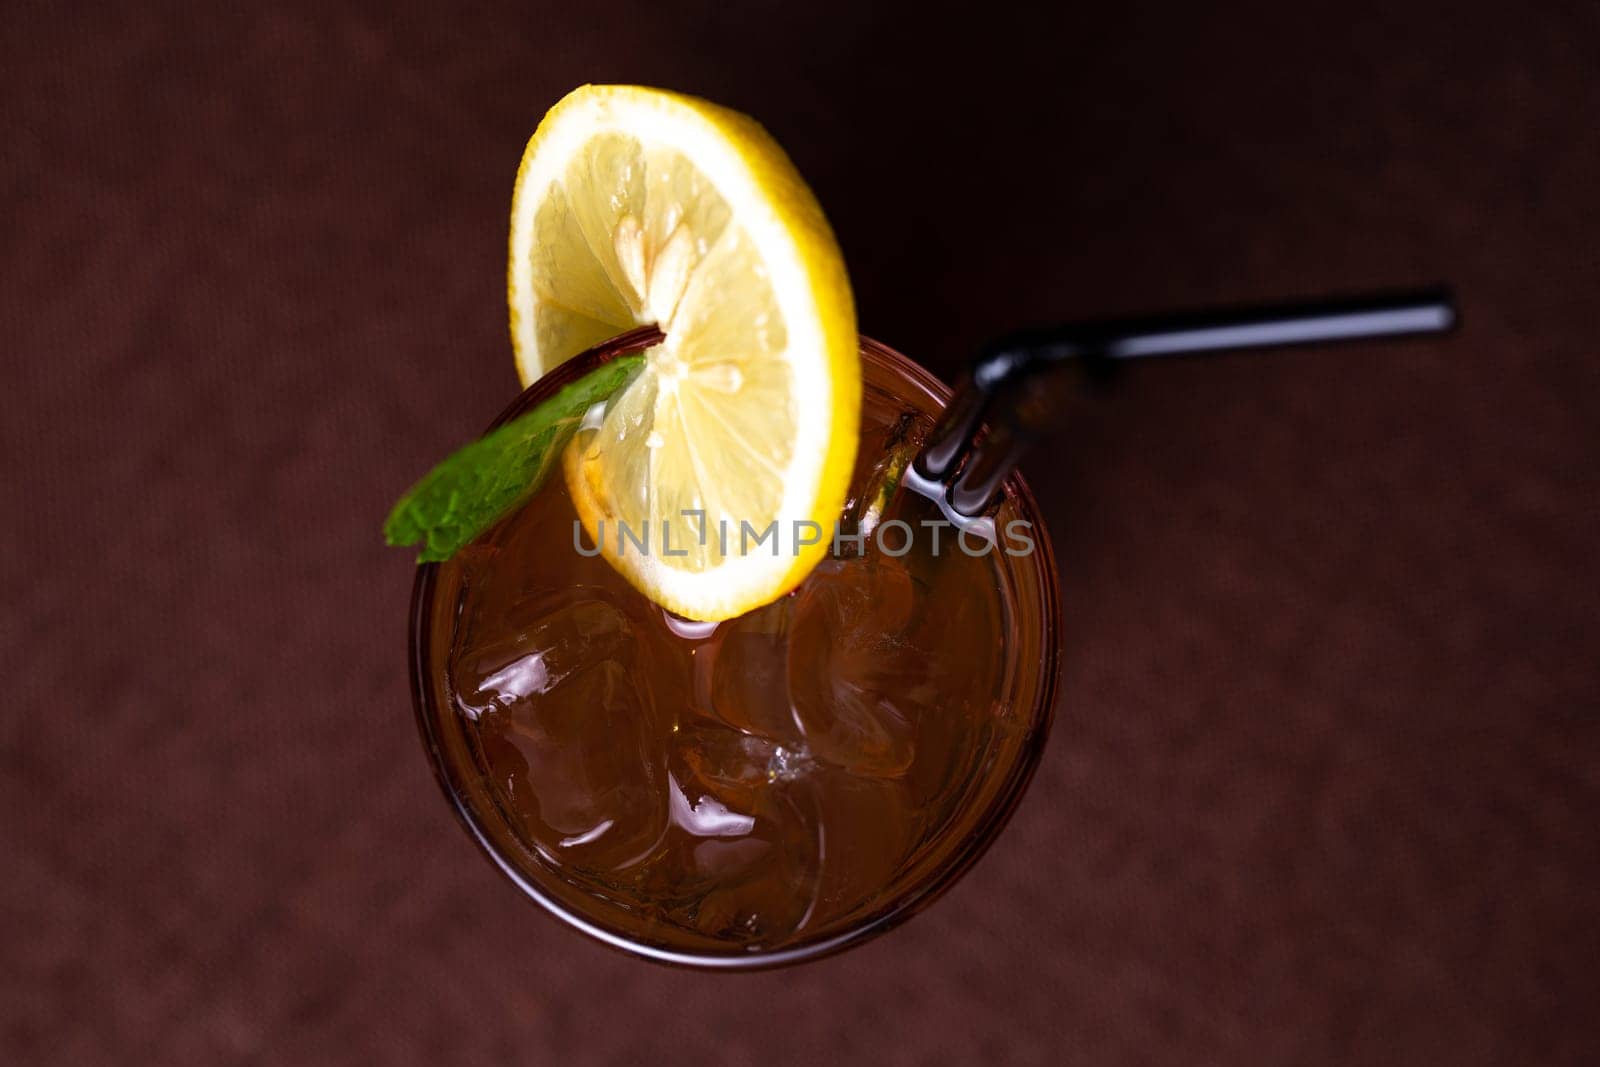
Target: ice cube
532	645
726	864
739	846
818	842
858	684
571	742
705	816
735	768
860	830
748	671
723	789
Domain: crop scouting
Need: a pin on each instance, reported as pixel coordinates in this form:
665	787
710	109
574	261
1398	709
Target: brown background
1323	785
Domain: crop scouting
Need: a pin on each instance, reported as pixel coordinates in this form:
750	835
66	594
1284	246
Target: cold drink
763	789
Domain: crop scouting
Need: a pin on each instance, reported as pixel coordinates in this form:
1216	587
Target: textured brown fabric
1323	784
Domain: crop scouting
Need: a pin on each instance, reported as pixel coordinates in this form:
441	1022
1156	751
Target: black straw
1006	388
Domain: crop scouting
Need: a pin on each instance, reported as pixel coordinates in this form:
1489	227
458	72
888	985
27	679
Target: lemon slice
714	479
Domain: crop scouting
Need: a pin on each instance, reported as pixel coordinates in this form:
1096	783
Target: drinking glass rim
975	842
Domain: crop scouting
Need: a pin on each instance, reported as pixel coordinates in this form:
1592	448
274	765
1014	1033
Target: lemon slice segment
714	479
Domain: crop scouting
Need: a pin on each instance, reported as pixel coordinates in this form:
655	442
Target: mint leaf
464	495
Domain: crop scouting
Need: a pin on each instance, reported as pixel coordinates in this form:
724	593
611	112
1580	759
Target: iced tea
769	787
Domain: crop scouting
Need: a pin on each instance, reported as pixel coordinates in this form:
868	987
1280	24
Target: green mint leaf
475	486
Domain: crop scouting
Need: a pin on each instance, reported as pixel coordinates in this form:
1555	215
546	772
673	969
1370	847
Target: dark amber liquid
763	781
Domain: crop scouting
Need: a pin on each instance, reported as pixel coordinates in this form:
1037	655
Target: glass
769	789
